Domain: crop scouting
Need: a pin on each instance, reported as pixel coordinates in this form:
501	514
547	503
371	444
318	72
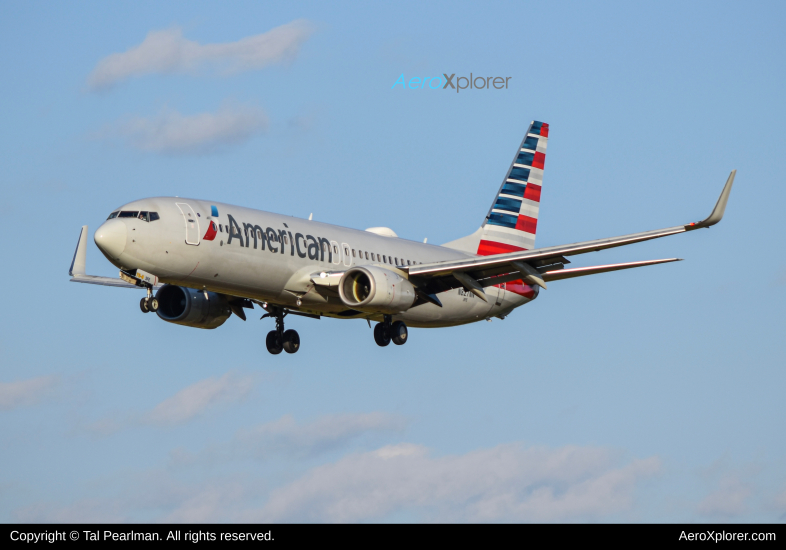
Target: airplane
207	260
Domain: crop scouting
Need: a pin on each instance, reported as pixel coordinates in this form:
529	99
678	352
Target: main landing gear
150	303
386	331
281	340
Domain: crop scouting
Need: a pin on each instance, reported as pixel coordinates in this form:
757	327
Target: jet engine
192	308
377	290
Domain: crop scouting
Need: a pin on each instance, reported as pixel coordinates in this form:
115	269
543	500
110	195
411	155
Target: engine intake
190	307
377	290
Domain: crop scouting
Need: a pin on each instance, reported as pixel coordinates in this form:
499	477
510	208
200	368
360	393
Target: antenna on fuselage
425	240
309	216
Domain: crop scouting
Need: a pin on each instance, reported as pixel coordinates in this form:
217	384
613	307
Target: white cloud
167	52
196	398
25	392
285	436
728	501
505	483
175	134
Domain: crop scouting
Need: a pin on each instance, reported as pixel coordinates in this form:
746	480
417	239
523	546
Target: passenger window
353	252
112	215
153	216
367	255
335	249
221	228
408	263
396	261
346	251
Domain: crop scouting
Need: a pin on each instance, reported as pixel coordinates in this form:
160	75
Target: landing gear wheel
274	343
152	304
399	333
381	336
291	341
143	305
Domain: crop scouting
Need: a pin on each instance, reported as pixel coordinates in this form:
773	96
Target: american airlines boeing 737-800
207	260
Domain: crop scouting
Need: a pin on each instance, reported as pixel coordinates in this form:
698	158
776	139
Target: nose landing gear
386	331
280	340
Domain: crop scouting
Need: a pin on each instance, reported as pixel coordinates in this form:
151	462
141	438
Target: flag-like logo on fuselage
212	229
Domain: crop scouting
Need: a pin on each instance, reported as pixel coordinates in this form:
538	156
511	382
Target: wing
78	275
543	264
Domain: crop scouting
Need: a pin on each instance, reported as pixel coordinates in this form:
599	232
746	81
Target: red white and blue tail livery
512	221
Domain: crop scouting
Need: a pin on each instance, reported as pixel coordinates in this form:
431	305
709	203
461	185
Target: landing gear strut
281	340
386	331
150	303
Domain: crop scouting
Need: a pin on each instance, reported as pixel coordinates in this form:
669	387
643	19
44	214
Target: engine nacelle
377	290
190	307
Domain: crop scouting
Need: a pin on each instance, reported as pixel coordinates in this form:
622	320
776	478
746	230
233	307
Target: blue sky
648	395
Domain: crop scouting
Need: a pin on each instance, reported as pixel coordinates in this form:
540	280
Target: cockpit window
144	215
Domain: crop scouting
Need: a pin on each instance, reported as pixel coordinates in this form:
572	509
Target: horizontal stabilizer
582	271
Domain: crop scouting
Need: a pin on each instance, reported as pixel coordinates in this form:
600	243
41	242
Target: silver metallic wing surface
489	266
104	281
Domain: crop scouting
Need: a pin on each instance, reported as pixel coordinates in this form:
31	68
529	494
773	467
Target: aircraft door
495	302
336	252
347	254
192	223
500	294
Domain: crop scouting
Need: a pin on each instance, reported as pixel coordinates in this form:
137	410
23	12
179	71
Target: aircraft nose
111	238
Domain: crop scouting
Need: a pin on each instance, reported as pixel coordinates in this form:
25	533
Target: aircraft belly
458	307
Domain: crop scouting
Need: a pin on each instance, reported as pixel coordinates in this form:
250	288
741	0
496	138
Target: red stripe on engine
525	223
544	130
489	248
532	192
539	160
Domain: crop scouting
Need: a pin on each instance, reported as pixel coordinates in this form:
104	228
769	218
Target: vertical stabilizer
512	221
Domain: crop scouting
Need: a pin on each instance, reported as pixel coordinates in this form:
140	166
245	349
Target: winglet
78	262
720	206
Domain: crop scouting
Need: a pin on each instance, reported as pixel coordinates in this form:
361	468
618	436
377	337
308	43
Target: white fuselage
277	266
